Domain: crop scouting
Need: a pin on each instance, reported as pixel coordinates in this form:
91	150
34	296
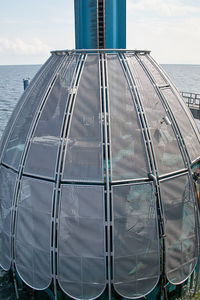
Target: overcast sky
29	30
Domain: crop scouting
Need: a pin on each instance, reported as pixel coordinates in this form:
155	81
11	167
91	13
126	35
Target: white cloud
18	46
170	28
166	7
170	42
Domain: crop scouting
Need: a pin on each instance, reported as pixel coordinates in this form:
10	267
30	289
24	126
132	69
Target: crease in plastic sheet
42	155
18	137
128	157
159	79
81	241
186	128
179	109
179	98
33	233
19	105
7	180
136	240
181	242
84	153
168	155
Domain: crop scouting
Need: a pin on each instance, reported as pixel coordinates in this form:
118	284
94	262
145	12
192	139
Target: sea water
185	77
11	88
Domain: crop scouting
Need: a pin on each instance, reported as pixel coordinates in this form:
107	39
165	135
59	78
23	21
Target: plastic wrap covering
84	146
21	101
187	130
136	240
33	233
7	180
81	249
158	77
41	158
187	113
17	139
180	228
181	112
168	155
128	153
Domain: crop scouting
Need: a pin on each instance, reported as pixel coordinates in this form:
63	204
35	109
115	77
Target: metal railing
191	98
193	102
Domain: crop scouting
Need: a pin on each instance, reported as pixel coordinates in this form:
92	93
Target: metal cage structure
96	187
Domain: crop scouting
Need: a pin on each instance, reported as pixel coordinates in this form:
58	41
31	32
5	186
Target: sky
29	30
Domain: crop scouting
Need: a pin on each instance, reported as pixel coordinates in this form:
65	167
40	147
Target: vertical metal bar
110	208
60	162
67	108
15	284
197	279
176	92
21	167
18	182
167	108
152	163
107	185
175	127
142	117
176	131
71	105
138	110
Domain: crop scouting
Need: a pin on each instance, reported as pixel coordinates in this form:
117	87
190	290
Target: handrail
193	102
191	98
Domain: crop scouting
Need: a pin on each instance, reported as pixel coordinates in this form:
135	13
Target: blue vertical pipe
116	24
86	24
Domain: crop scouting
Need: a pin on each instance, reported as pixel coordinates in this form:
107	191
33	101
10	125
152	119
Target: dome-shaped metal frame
96	175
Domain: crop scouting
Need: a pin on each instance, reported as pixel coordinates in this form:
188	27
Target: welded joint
153	177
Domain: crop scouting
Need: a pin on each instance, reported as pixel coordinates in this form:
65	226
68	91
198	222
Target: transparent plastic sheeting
181	112
128	153
42	155
136	240
7	180
158	77
84	156
168	155
81	246
180	228
187	113
33	233
18	136
190	138
20	103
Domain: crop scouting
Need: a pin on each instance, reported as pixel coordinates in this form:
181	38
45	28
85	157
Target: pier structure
193	102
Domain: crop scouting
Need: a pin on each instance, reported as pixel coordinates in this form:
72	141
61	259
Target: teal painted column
86	24
116	24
